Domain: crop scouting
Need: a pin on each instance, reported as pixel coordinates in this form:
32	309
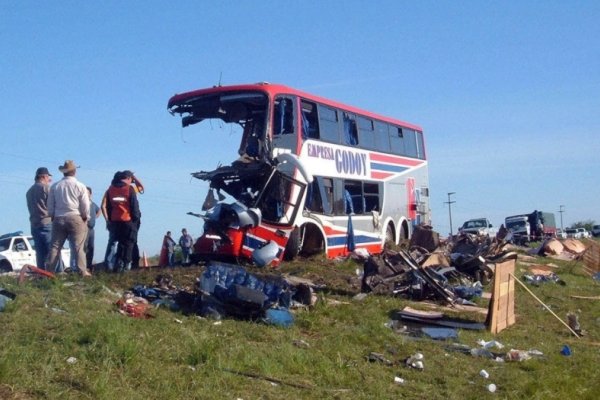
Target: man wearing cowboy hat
69	208
37	204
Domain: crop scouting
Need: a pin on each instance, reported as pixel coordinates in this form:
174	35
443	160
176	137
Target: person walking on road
69	208
39	219
186	242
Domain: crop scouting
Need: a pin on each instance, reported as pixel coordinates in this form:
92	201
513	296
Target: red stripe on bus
380	175
394	159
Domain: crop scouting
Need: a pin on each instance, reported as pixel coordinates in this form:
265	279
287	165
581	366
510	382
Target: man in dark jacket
123	216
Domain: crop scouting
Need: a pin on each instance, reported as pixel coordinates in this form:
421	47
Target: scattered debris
490	344
378	357
573	321
591	259
71	360
301	343
398	380
29	270
483	373
415	361
133	306
566	350
5	297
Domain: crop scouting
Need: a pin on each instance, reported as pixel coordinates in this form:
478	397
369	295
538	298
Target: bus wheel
389	236
403	233
313	241
293	246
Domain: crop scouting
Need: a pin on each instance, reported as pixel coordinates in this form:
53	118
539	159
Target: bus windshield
243	111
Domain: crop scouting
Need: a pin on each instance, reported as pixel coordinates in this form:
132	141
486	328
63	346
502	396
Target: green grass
125	358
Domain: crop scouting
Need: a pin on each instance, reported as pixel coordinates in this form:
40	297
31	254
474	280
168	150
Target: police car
17	249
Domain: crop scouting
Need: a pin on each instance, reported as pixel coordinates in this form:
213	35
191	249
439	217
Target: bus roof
274	89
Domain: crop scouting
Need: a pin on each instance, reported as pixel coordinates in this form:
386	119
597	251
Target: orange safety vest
120	209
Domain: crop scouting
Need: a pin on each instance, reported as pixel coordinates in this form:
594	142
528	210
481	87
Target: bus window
382	137
313	197
372	198
329	124
366	135
284	123
310	121
420	145
283	119
253	144
354	190
397	140
350	132
327	194
410	143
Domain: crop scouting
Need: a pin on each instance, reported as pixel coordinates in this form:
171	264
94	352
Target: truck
18	250
478	226
531	227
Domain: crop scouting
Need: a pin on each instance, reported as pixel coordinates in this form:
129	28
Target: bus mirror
292	159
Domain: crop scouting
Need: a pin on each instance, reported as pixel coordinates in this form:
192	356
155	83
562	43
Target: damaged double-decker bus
312	175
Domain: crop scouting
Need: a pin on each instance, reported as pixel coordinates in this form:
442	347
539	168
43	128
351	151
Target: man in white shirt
69	208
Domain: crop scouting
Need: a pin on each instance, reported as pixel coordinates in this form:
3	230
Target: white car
17	249
572	233
583	233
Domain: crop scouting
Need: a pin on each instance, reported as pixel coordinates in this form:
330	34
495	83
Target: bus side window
397	140
382	137
366	134
284	117
313	197
353	195
329	124
350	131
410	143
310	121
372	198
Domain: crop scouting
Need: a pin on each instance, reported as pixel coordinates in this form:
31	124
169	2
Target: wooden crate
591	258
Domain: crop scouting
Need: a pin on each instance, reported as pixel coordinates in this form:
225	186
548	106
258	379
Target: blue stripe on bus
388	167
341	240
252	243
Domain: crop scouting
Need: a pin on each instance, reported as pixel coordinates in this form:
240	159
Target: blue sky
508	94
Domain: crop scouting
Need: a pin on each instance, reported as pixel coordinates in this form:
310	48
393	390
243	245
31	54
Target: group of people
65	211
167	256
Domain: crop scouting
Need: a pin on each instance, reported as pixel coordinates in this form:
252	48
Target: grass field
174	356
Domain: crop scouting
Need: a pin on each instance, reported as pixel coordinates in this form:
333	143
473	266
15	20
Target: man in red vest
123	212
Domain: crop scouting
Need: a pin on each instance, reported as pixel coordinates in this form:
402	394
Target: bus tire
403	233
313	241
293	246
390	236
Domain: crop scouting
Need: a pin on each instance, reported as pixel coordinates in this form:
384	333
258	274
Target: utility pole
561	211
450	209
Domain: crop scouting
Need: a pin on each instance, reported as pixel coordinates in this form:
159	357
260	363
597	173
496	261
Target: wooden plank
501	310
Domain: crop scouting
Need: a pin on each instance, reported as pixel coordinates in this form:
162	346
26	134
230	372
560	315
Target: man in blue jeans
41	224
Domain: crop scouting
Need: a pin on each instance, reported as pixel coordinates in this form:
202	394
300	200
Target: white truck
531	227
478	226
17	249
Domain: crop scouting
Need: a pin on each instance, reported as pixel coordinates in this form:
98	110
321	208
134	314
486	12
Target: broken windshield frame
247	109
